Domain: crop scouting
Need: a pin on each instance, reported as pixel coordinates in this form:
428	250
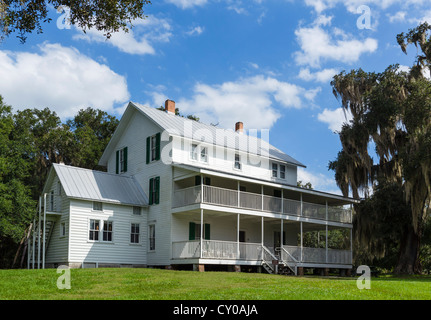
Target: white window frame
274	169
95	231
108	232
62	229
282	172
151	237
203	155
136	211
135	237
194	152
237	162
96	206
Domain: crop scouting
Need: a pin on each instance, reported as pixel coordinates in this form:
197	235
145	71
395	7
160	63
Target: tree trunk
408	259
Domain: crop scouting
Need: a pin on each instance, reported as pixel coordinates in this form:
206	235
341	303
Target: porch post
202	188
238	195
281	234
301	236
262	230
326	241
326	213
38	233
44	232
261	191
33	244
300	195
237	236
282	201
202	232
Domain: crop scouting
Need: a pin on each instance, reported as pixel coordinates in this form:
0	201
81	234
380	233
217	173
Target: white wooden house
180	193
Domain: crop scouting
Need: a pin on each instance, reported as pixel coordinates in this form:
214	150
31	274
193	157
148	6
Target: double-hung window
237	161
94	230
107	230
134	233
153	148
204	154
121	160
194	152
282	171
274	170
152	237
154	190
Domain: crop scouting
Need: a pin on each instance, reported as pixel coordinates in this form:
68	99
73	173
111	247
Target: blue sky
267	63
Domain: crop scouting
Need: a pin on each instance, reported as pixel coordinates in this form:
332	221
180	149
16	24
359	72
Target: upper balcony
284	203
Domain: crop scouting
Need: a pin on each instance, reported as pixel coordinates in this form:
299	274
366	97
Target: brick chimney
170	106
239	127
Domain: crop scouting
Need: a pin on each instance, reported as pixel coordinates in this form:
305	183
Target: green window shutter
117	162
192	233
157	188
158	146
150	201
148	149
125	159
207	231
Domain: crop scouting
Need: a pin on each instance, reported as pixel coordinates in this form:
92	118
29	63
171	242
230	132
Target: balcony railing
230	250
255	201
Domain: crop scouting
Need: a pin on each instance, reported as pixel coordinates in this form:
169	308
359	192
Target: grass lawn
154	284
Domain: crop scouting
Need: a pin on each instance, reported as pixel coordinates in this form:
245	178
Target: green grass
154	284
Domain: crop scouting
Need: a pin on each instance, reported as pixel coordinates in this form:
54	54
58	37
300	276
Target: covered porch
204	236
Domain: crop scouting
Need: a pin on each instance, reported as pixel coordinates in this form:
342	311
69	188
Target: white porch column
238	195
202	188
33	244
262	231
44	232
237	237
301	236
301	202
261	191
281	234
38	233
202	231
282	202
326	241
326	213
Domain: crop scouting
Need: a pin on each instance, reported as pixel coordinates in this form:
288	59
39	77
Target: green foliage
28	16
391	109
31	140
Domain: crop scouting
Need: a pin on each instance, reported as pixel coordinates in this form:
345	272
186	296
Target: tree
391	109
28	16
92	129
16	204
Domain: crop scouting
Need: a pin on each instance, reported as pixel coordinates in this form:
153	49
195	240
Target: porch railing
231	250
255	201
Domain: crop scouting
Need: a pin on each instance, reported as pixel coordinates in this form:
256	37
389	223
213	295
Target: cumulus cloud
324	75
186	4
318	180
60	78
139	40
251	100
319	45
334	118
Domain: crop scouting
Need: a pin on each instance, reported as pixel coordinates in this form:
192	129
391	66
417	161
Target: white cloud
60	78
334	118
318	45
351	5
318	181
400	16
324	75
139	39
186	4
195	31
250	100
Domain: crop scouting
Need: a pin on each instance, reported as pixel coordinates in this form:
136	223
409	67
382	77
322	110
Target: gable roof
79	183
183	127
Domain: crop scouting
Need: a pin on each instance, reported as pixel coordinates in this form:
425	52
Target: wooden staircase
284	263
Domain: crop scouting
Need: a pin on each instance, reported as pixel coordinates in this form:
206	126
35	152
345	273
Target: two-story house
179	193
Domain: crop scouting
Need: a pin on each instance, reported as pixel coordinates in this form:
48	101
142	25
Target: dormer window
237	164
194	152
274	170
204	154
278	171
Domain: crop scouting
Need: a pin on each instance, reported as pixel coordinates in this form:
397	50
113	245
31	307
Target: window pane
274	170
204	154
282	172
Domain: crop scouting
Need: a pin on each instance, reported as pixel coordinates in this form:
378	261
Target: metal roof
197	131
101	186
